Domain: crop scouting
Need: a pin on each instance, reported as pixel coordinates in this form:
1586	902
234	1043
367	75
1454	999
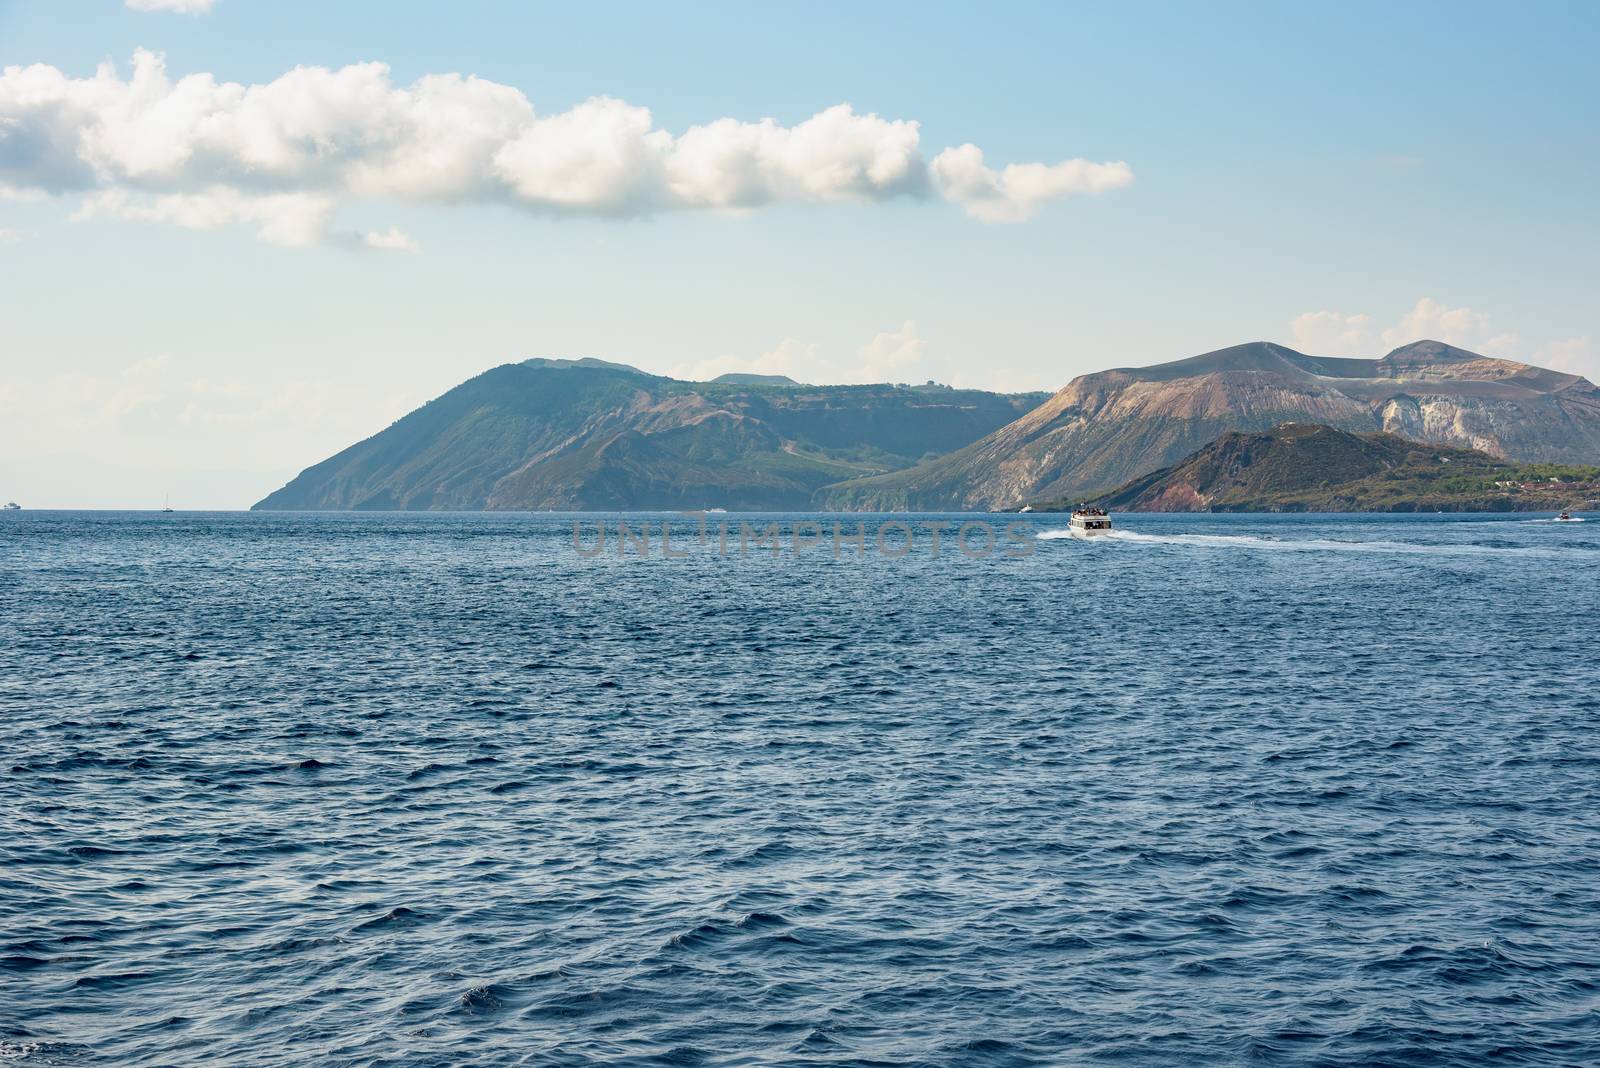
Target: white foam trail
1247	541
1221	541
1508	520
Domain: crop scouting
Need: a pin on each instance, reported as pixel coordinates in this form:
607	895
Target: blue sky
1337	177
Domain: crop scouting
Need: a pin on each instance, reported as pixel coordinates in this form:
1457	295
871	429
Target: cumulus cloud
891	356
181	7
799	360
280	156
291	219
1015	192
1574	355
1327	333
1461	327
393	239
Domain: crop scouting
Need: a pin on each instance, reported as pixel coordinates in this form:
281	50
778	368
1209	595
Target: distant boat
166	504
1090	521
11	506
1563	518
1025	509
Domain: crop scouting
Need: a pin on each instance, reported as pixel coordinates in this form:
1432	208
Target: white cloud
892	356
1015	193
1461	327
1575	356
1326	333
291	219
834	155
153	402
149	415
393	239
798	359
181	7
198	152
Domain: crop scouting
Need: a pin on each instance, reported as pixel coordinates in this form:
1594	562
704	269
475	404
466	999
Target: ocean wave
941	811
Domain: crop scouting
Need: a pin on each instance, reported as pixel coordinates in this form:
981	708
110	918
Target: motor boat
1090	521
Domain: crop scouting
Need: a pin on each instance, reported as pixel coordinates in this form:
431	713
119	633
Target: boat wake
1252	542
1212	541
1225	541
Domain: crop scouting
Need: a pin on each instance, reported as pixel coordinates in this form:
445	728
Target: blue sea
362	790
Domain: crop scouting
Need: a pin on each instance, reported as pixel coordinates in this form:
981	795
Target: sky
237	236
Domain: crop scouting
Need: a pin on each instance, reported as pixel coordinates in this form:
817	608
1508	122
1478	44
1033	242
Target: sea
484	789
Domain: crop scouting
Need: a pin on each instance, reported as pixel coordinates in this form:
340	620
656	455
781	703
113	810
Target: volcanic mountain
1106	428
587	434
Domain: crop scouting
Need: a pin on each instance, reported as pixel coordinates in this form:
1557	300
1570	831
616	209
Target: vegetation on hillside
586	434
1310	468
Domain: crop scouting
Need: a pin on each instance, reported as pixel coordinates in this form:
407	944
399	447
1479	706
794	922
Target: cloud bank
891	356
210	436
1328	333
282	155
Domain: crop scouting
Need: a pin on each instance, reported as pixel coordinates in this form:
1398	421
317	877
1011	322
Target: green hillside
586	434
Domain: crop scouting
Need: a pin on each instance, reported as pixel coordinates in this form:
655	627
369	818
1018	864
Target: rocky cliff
1106	428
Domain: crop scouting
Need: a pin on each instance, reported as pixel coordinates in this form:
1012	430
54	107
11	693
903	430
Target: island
1305	467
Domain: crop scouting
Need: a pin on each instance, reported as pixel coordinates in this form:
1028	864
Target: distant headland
587	434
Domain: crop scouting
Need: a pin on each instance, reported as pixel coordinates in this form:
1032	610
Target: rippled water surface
440	790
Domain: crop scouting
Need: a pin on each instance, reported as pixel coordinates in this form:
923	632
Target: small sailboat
166	504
